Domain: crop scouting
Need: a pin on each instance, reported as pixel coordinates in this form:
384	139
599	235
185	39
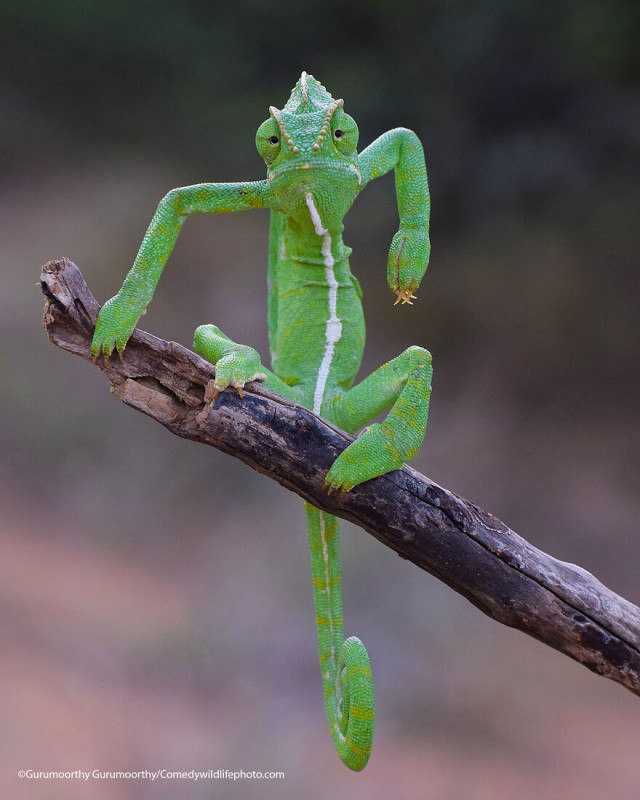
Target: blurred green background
156	597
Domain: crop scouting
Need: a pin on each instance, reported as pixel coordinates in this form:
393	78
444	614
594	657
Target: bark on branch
469	549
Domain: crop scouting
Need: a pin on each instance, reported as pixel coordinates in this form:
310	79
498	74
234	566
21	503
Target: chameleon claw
121	356
239	389
107	356
210	394
405	296
332	487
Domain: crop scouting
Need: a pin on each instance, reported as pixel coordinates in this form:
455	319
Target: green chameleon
316	332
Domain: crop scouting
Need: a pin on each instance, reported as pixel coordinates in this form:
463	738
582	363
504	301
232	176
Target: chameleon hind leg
346	673
236	364
404	383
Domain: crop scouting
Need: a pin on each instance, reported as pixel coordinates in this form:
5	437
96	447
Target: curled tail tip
356	736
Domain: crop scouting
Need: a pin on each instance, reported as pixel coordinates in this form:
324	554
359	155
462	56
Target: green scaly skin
316	332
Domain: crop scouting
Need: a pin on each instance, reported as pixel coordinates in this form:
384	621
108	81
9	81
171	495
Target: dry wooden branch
516	584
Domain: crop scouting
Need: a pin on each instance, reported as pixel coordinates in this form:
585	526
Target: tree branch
470	550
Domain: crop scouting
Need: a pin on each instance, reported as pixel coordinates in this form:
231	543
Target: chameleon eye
273	140
338	133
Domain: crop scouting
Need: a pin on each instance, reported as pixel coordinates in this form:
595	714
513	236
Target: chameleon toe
405	296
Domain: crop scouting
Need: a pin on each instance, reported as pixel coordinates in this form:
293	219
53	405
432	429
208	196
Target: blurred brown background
156	597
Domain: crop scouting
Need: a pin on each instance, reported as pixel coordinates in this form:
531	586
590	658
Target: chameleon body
316	332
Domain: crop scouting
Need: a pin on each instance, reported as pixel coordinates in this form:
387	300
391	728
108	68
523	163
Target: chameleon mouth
313	164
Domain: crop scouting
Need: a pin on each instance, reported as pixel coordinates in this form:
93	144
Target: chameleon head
311	146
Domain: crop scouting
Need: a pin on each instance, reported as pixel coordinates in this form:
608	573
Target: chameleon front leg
400	150
346	672
119	315
404	382
236	364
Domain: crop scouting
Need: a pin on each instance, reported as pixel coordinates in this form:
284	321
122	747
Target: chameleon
316	333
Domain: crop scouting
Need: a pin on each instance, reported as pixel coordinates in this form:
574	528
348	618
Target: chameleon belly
319	329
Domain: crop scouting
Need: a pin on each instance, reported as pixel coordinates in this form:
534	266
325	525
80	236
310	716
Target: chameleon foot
236	364
372	454
214	387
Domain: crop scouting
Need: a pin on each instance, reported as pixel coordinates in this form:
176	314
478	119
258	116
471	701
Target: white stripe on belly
333	330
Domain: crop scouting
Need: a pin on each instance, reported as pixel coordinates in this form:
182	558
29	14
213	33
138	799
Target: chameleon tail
346	673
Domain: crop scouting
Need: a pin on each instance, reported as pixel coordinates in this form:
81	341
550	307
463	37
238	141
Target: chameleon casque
316	332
